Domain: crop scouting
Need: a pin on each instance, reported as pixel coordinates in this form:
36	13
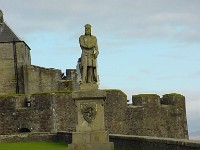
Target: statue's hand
96	55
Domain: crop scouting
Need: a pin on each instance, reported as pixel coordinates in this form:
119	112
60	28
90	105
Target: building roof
6	34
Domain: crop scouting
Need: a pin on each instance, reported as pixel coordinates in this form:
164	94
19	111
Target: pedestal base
94	140
88	86
91	134
91	146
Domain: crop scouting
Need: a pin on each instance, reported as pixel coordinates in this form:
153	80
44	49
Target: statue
88	60
1	17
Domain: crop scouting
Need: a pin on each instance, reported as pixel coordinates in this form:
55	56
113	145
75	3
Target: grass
33	146
41	146
127	149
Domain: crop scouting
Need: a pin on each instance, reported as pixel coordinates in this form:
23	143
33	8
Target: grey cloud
144	18
144	71
195	75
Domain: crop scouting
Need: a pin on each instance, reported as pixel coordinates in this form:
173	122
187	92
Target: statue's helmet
88	26
88	29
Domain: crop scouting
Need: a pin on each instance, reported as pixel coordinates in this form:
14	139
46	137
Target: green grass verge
42	146
33	146
126	149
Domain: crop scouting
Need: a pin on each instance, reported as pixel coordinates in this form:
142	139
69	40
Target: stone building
38	99
14	53
18	76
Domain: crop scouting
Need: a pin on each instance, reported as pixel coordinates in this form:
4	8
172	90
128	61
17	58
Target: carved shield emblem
89	111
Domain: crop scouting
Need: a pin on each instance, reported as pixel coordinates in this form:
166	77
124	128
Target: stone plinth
91	134
88	86
93	102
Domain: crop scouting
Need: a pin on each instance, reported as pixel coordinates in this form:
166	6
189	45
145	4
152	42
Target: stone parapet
155	116
55	111
154	143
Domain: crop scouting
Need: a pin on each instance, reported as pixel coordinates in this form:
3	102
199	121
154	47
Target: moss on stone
172	95
57	92
114	90
67	91
146	95
10	95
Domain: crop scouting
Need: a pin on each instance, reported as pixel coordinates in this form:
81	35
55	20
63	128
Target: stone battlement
154	99
53	112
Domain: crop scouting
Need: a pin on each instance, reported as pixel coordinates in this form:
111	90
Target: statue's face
87	30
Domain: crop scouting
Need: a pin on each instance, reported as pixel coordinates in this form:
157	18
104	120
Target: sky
146	46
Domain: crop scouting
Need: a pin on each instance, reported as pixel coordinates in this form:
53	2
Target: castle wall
149	115
153	116
115	112
39	79
152	143
11	73
48	113
9	114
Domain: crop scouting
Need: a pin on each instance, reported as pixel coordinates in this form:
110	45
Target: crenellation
172	99
157	116
48	110
146	100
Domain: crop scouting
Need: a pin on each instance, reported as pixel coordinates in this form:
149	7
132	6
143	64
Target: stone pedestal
88	86
91	134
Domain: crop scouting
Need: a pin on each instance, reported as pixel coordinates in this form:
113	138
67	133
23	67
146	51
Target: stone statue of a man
1	17
88	66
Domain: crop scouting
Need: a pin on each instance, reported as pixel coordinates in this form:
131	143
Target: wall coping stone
168	141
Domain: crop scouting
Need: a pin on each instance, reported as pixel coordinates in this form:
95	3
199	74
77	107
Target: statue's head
88	29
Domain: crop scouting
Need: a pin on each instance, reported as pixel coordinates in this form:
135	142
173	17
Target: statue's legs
90	75
95	74
84	75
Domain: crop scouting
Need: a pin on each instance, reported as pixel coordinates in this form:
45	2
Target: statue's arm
96	48
82	42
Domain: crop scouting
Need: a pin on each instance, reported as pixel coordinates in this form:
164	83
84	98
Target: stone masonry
52	112
11	80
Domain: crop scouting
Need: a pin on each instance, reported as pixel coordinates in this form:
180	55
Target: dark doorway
24	130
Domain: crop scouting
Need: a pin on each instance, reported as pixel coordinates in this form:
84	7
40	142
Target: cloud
176	19
195	75
144	71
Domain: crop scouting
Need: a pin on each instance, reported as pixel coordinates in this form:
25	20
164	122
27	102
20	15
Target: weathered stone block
146	100
90	109
88	86
90	129
81	137
87	122
90	137
91	146
173	99
99	136
90	94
